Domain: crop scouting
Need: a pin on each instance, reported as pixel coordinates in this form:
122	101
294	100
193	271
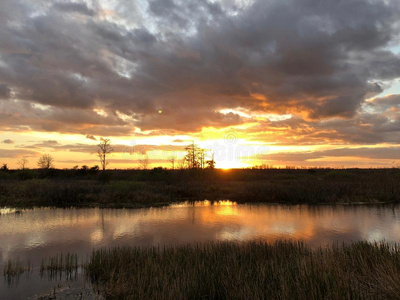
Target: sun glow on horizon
230	147
230	164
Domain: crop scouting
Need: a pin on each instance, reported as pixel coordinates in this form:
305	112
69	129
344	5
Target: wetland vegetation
144	188
252	270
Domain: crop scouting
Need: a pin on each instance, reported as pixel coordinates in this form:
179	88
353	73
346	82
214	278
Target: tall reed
14	268
59	265
255	270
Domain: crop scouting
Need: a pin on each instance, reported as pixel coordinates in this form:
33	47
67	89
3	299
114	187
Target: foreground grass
135	189
252	270
284	270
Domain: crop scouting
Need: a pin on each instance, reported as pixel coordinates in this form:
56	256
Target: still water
34	234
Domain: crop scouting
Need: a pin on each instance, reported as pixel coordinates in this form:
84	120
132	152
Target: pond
34	234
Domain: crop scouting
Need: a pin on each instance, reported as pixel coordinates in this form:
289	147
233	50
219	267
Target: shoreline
19	208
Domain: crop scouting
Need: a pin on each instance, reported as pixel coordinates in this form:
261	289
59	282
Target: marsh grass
54	267
228	270
66	266
14	268
284	270
136	189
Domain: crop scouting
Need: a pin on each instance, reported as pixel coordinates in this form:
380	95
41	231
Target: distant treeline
166	174
195	158
144	188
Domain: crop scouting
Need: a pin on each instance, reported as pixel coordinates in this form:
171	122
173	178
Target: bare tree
104	148
144	162
211	162
172	161
195	157
23	162
192	156
201	158
46	161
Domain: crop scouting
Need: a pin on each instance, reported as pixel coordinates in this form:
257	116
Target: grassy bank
63	188
284	270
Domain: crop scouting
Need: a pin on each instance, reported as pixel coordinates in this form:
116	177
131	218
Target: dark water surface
32	235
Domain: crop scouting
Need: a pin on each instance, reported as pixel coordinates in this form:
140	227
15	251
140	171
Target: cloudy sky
277	82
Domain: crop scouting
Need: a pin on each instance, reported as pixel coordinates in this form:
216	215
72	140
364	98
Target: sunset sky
277	82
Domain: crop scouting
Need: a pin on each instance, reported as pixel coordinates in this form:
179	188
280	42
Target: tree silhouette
46	162
172	161
211	162
23	162
202	158
104	148
144	162
195	157
192	157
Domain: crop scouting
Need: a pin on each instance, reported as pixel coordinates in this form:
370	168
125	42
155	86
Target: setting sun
230	164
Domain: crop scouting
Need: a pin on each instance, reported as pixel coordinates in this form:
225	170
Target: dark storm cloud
378	122
4	91
22	116
183	14
74	7
190	59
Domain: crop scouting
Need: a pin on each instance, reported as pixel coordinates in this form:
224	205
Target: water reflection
38	233
193	222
